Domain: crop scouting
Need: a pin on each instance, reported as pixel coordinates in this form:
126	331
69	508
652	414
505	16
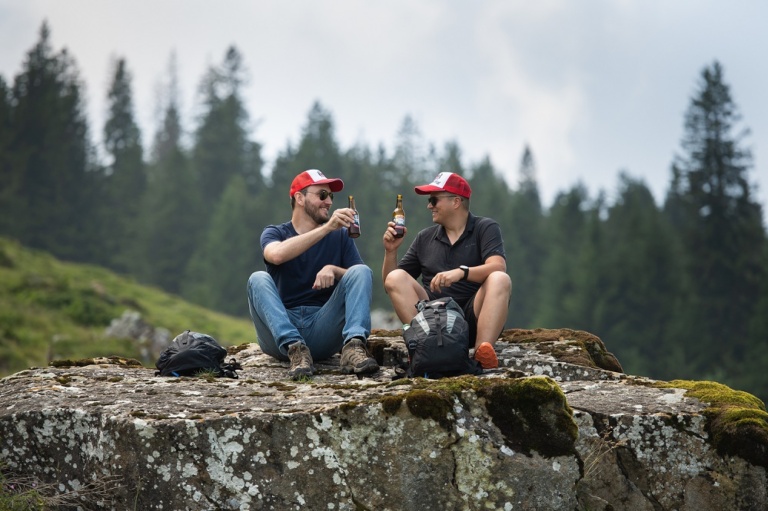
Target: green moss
72	363
400	382
64	380
391	404
566	345
234	350
426	404
532	414
737	421
348	406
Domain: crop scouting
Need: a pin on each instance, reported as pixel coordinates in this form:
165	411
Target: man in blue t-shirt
461	256
315	297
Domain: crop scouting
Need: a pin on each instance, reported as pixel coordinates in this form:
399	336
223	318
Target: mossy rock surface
737	421
531	413
572	346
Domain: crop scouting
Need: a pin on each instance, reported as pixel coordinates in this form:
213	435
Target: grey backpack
438	341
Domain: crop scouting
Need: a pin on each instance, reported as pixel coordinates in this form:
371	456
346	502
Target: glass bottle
354	229
398	216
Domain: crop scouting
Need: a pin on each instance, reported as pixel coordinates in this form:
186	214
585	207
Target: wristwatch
466	271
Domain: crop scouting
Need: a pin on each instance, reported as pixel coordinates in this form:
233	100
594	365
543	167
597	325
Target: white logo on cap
441	179
316	175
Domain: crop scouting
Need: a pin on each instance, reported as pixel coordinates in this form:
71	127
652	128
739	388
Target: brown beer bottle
354	229
398	216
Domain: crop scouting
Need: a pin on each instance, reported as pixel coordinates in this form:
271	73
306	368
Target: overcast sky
593	87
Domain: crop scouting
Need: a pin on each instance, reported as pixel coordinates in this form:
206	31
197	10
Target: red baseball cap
314	177
446	182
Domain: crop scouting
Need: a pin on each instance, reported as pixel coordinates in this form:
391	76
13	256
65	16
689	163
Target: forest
675	290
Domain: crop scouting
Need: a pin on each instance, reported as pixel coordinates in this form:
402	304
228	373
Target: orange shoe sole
485	354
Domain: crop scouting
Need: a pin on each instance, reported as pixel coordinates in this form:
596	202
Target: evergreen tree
589	277
317	149
752	375
222	145
523	229
171	206
640	261
51	172
228	254
410	160
489	190
450	160
564	231
720	224
126	175
9	200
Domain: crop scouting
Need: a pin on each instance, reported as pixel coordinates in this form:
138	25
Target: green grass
50	309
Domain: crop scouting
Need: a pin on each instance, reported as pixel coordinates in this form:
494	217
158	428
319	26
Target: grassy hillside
50	309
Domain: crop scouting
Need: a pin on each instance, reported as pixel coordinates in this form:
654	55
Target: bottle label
399	220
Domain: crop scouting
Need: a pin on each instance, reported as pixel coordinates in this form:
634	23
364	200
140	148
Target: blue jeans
323	329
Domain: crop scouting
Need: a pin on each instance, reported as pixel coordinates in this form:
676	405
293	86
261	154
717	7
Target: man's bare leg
492	306
404	292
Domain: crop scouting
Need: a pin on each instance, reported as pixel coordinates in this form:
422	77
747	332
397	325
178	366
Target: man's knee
497	286
359	271
396	279
258	279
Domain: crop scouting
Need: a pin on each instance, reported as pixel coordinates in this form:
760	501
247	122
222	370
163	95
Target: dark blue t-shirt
294	278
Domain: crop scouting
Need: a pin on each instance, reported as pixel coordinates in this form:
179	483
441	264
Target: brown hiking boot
301	361
356	359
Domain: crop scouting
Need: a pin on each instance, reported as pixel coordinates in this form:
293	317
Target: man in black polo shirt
461	256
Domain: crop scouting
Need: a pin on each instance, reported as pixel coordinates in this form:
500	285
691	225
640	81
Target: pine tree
9	185
636	310
565	228
523	230
317	149
712	206
410	160
51	156
126	175
228	253
450	159
222	146
171	207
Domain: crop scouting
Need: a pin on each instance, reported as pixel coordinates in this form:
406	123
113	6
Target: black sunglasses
323	194
433	200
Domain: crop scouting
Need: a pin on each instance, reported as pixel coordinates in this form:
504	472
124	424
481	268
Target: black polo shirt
431	252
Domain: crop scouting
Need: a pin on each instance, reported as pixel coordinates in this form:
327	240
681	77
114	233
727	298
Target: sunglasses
323	194
433	200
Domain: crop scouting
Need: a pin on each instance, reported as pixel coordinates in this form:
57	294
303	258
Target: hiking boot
301	361
356	359
485	354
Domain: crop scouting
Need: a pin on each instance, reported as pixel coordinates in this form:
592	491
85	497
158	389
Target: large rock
558	426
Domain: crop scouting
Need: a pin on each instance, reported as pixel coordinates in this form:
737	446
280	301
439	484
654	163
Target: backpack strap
441	319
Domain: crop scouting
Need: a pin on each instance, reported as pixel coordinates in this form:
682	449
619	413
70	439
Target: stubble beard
316	213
